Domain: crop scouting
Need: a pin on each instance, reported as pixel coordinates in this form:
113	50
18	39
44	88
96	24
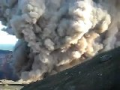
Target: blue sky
7	41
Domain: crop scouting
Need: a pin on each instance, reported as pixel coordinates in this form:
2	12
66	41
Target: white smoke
58	34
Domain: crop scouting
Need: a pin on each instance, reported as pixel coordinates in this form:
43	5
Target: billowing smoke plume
57	34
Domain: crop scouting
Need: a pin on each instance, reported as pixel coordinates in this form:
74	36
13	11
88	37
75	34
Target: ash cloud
57	34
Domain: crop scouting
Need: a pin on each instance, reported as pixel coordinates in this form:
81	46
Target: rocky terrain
55	35
6	69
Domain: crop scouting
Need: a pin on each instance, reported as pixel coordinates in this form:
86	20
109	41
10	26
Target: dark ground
6	69
100	73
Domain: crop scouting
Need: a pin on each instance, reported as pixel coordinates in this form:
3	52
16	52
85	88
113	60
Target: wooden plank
11	87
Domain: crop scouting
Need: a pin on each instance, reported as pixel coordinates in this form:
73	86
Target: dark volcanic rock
99	73
6	69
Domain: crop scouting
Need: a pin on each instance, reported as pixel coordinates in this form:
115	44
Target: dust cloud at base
57	34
